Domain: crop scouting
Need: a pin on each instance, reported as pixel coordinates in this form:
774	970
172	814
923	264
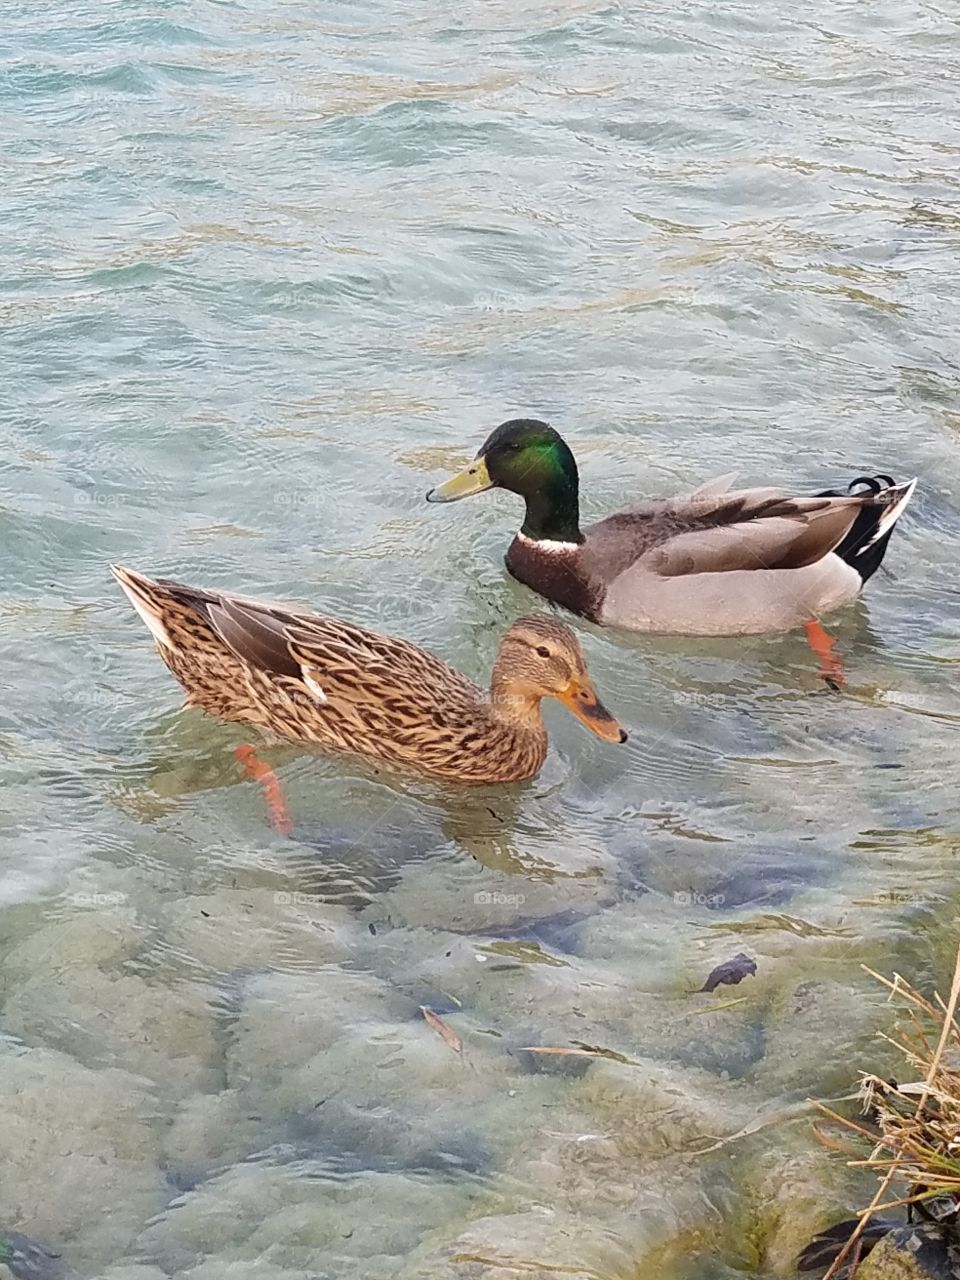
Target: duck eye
543	651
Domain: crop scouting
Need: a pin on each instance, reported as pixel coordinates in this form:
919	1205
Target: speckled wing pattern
320	680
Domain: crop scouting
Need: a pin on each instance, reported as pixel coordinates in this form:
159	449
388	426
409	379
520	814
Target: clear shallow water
268	273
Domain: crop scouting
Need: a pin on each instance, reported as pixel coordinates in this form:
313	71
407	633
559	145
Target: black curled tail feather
865	544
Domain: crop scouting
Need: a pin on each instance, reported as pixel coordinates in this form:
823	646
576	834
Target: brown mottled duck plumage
319	680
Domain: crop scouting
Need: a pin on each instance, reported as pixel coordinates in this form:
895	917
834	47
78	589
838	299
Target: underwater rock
426	963
23	1259
709	874
80	1153
339	1065
653	940
487	901
557	932
257	929
827	1245
654	1108
651	1205
255	1269
286	1019
71	987
525	993
348	865
767	878
790	1193
305	1217
510	984
725	1040
660	1014
800	1008
915	1252
338	1220
538	1244
208	1131
392	1096
133	1271
163	1032
88	940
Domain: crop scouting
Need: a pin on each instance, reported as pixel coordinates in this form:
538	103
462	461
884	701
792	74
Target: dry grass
913	1130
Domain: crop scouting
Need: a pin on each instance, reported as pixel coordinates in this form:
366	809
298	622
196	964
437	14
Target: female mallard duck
323	681
719	561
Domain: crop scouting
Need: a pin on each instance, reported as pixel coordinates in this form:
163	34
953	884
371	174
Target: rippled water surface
269	272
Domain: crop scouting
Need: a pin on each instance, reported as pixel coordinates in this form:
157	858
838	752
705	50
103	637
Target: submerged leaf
527	952
716	1008
558	1051
792	924
446	1033
730	972
580	1050
600	1052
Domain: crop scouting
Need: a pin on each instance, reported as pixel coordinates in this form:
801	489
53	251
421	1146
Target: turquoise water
269	273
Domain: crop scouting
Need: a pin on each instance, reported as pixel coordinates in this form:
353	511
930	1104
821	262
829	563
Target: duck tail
885	501
143	593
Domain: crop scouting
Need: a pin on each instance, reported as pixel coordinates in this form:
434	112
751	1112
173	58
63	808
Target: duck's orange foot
831	664
262	773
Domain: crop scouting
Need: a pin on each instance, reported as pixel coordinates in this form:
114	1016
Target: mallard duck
319	680
720	561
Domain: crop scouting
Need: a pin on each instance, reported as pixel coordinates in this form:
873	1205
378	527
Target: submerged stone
80	1153
558	931
910	1253
537	1244
347	867
24	1259
788	1194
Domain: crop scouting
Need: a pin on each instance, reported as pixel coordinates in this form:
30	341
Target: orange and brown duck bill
581	698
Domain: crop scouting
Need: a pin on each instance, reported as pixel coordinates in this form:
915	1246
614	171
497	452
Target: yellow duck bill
581	698
473	479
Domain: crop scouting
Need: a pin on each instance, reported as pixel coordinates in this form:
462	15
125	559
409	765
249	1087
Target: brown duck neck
514	705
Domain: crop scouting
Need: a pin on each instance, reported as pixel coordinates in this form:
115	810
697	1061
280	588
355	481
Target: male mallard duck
719	561
323	681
